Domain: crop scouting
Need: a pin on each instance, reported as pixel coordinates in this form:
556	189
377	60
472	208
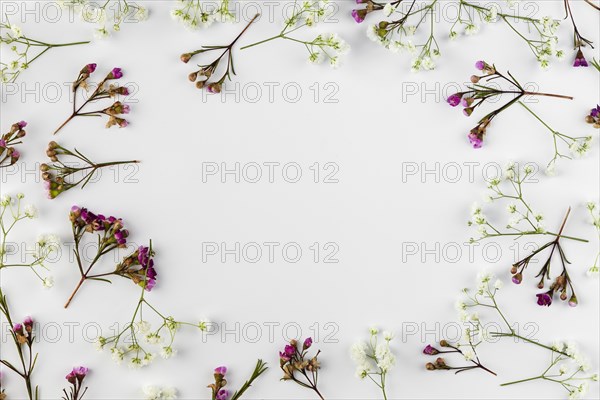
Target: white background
370	133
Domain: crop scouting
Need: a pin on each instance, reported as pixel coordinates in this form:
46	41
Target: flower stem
522	380
262	41
560	96
83	277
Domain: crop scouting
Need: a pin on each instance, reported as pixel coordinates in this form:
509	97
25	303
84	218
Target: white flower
30	211
153	338
148	358
469	355
362	371
142	14
593	272
388	336
99	343
168	352
498	284
410	30
169	393
143	326
135	363
385	358
117	355
428	64
417	64
563	369
551	169
48	282
17	32
460	305
373	331
388	9
492	14
471	29
152	393
204	324
453	35
335	62
358	352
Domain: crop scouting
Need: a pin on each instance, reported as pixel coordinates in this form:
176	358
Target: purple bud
221	370
544	299
475	140
430	350
116	73
358	15
480	65
454	100
307	343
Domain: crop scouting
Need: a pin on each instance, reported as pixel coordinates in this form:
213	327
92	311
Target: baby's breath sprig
101	92
108	15
539	35
571	364
479	93
9	155
578	40
218	387
374	359
23	336
307	13
206	71
398	33
12	212
196	14
22	46
129	343
58	176
298	367
594	211
524	220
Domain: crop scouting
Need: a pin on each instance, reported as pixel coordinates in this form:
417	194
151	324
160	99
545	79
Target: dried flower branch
198	13
485	299
22	46
13	212
206	71
9	155
374	360
307	14
218	387
101	92
298	367
57	176
108	14
479	93
128	342
111	235
578	40
593	117
75	378
23	337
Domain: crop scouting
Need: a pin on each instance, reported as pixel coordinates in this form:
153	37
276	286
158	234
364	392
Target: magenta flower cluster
77	375
90	222
9	154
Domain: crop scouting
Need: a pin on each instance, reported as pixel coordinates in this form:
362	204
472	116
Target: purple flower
517	279
91	68
287	353
125	109
21	124
123	123
580	60
544	299
476	141
359	15
15	154
18	328
454	100
77	374
221	370
430	350
116	73
223	394
28	322
121	236
595	112
150	277
480	65
307	343
2	143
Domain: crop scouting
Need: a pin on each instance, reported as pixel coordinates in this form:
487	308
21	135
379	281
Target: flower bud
444	343
200	84
186	57
475	79
193	76
517	278
430	367
589	119
573	301
383	25
563	296
514	269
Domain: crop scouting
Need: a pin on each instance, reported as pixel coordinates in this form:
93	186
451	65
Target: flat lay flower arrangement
105	244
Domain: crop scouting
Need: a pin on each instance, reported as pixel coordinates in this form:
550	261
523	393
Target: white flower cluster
327	47
308	13
137	356
159	393
594	210
400	40
522	218
373	357
15	61
195	14
107	15
46	245
580	147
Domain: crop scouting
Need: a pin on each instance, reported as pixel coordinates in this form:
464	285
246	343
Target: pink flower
454	100
2	143
307	343
21	124
475	140
480	65
430	350
123	123
359	15
544	299
116	73
125	109
91	68
221	370
223	394
580	60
